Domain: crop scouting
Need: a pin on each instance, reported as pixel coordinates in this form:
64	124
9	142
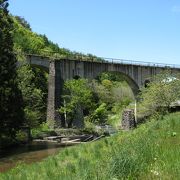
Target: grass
151	151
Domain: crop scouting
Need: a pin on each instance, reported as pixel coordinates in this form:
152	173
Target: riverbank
43	146
152	151
28	154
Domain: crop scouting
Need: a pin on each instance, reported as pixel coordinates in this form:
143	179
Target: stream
28	154
34	152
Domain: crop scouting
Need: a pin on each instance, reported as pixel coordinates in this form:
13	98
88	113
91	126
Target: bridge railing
58	56
140	63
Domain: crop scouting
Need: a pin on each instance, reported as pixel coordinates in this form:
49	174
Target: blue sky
145	30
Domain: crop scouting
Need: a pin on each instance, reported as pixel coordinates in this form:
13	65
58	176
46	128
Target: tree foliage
11	114
27	41
99	116
23	22
77	93
96	99
111	88
161	93
33	85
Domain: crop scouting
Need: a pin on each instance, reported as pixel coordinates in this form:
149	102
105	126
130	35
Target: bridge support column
55	84
128	119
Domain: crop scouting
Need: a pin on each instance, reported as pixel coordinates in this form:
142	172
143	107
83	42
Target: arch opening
42	68
122	77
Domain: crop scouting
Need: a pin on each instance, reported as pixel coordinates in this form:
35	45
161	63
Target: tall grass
152	151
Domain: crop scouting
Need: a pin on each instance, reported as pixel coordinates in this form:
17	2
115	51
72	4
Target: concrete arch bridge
135	72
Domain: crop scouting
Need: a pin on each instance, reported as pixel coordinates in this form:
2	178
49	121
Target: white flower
155	172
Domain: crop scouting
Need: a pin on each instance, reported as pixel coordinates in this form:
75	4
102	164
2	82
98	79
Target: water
28	154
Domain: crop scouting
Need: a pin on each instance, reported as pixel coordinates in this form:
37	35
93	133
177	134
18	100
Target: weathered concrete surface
38	61
60	70
128	119
79	117
55	85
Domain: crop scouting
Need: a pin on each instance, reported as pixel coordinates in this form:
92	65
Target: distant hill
27	41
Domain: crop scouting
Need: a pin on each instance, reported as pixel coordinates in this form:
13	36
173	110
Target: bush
89	127
161	93
22	136
99	116
40	131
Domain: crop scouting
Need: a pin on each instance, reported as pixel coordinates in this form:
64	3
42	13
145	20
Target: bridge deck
109	61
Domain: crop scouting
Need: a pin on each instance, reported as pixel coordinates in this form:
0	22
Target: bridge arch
43	68
39	62
132	84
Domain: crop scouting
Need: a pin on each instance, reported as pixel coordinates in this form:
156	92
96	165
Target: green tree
77	95
11	113
27	41
33	85
23	22
161	93
112	92
100	115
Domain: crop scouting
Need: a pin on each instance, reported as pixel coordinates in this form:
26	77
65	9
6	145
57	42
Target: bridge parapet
141	63
56	57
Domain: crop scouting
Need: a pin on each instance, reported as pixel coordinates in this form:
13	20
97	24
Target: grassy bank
152	151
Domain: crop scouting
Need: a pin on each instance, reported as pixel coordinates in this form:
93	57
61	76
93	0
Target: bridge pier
55	85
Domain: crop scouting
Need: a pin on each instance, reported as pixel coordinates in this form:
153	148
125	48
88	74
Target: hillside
27	41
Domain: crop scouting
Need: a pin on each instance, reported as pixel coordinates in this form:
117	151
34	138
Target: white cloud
176	9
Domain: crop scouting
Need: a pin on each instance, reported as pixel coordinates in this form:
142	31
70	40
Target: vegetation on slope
27	41
149	152
161	94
